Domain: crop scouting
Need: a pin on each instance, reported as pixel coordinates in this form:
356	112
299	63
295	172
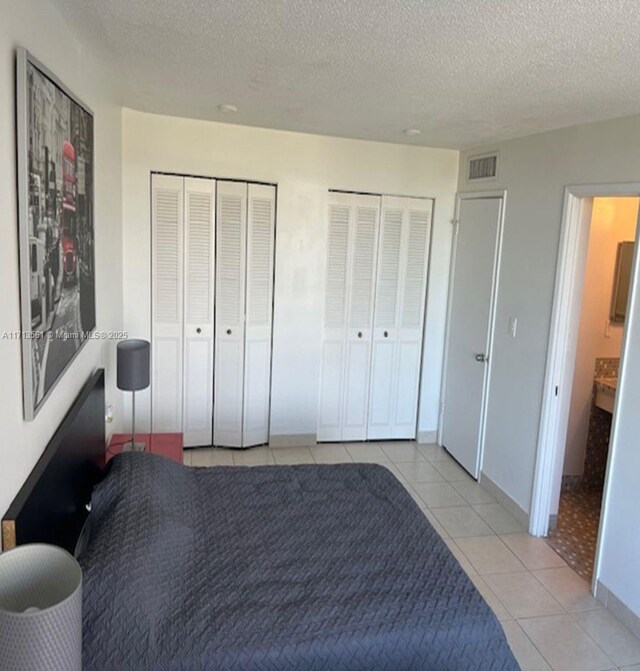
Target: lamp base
133	447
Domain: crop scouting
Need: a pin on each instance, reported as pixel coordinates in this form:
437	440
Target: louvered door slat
416	268
336	278
167	232
389	266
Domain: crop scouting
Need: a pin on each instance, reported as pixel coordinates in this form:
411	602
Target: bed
274	568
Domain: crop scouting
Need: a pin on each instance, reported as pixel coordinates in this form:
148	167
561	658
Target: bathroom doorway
573	530
571	285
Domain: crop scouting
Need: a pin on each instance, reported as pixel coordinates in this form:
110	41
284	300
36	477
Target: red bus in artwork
69	222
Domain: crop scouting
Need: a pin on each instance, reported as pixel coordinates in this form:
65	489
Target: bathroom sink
606	392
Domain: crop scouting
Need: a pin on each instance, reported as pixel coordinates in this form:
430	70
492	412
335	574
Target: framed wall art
55	151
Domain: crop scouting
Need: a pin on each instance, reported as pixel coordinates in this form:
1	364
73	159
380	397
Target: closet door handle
386	334
359	334
198	330
228	331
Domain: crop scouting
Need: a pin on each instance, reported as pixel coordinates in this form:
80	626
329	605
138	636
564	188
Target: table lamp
133	358
40	609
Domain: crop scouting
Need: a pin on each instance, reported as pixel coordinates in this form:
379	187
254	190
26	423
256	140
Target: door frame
460	196
563	335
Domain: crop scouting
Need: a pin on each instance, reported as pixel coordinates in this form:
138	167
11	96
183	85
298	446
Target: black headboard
51	507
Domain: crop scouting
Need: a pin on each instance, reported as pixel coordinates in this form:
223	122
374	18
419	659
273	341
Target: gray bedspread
274	568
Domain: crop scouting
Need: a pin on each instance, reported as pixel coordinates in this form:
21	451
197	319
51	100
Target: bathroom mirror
621	281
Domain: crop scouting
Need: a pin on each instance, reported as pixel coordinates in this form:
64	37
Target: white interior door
199	224
259	313
231	216
167	232
399	318
469	329
348	316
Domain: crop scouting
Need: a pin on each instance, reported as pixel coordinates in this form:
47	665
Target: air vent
483	167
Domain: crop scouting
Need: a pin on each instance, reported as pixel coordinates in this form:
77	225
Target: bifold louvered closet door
378	250
212	267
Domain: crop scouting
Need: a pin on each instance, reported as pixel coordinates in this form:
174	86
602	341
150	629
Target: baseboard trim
613	603
293	440
427	437
509	504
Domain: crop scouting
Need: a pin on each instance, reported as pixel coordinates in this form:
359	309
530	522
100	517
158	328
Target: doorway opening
597	363
586	356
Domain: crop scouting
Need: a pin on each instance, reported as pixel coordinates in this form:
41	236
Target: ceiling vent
483	167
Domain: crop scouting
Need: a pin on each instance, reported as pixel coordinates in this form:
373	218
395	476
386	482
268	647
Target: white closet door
231	217
335	319
363	251
167	221
348	314
411	318
198	319
383	362
259	311
399	317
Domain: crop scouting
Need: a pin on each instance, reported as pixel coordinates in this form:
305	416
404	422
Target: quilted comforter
274	568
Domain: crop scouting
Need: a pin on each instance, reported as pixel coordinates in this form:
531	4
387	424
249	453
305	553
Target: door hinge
556	390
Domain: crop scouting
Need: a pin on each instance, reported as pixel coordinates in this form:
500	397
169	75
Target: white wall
535	170
613	220
304	167
36	25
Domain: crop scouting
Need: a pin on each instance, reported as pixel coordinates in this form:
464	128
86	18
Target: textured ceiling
466	72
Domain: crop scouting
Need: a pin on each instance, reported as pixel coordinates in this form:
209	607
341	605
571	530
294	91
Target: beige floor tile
472	492
568	588
330	453
490	597
533	552
488	554
452	471
254	456
211	456
433	452
635	667
611	635
292	455
498	518
367	453
564	644
522	595
459	555
438	494
394	469
402	452
186	457
525	652
461	521
421	471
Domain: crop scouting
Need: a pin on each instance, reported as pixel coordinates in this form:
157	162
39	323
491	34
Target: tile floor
576	535
550	618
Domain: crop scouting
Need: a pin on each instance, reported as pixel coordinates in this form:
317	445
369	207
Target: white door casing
199	226
470	327
167	224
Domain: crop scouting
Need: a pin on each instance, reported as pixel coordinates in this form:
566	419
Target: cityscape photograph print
58	283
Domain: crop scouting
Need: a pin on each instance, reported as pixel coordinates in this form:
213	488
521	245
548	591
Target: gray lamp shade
40	609
133	364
